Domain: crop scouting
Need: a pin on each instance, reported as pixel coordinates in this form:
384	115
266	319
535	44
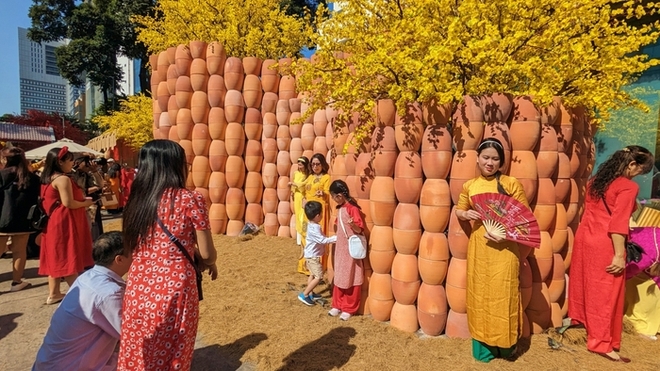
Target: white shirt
84	330
315	241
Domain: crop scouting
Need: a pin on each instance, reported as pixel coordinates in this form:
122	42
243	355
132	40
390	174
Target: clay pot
383	201
407	228
215	58
435	205
252	93
496	107
432	309
217	187
235	203
162	66
283	212
380	309
545	215
404	317
296	150
172	75
217	123
269	147
283	188
234	139
254	214
462	170
436	114
408	128
252	65
282	112
234	74
547	163
436	151
164	125
253	156
270	201
216	91
234	227
218	218
283	138
523	168
269	125
270	78
283	163
253	187
295	128
457	326
287	87
408	177
468	128
201	171
190	155
253	125
182	60
433	258
384	151
269	176
184	124
198	49
307	136
525	126
457	236
183	91
199	107
198	75
235	172
385	112
234	106
456	285
271	224
201	140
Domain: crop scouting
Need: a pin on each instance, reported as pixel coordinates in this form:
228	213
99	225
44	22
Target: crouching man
84	330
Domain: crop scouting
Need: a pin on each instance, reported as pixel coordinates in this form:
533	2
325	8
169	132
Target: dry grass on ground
251	315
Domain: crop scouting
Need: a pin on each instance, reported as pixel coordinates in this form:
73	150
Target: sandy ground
252	320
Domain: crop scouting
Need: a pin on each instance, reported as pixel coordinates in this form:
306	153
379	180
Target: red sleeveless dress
66	243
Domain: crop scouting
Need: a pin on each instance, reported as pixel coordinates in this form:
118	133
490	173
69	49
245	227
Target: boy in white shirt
314	250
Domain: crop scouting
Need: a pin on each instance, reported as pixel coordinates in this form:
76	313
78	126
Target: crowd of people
155	311
150	320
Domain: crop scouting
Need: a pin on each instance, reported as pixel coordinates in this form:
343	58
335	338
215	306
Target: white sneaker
20	286
334	312
344	316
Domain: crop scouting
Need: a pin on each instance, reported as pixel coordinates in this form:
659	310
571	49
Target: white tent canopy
41	152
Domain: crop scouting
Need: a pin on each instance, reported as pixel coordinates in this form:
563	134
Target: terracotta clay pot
182	60
217	123
252	65
198	75
270	78
217	187
269	126
404	317
234	227
456	285
384	151
269	177
216	91
523	168
435	205
408	177
380	309
383	201
199	107
271	224
184	124
269	147
283	188
163	64
253	155
218	218
234	106
252	93
525	129
215	58
235	172
283	163
198	49
462	170
283	138
468	124
287	87
433	260
201	171
235	203
253	187
436	114
183	91
254	214
269	201
253	124
496	107
407	228
234	74
457	325
436	151
201	140
432	309
234	139
408	128
172	75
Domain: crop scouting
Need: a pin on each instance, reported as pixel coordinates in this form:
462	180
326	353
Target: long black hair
339	187
161	166
52	164
17	163
114	170
616	165
495	144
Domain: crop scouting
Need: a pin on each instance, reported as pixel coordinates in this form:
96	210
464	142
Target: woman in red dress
66	242
597	279
161	305
349	272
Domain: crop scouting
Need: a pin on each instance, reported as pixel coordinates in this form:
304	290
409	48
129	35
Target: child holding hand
314	250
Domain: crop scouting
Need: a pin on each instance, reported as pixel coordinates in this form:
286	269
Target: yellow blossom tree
132	122
419	50
257	28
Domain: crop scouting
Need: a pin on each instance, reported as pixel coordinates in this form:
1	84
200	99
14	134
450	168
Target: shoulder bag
357	243
633	250
185	253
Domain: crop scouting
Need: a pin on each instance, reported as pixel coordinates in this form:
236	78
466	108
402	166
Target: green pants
483	352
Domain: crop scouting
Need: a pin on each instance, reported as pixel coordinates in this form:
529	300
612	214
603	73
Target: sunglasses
316	164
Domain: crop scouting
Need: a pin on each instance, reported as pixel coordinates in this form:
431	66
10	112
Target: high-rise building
41	85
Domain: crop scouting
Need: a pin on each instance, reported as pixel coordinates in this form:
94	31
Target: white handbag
357	243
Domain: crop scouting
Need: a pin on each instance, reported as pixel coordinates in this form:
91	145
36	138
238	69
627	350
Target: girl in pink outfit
349	272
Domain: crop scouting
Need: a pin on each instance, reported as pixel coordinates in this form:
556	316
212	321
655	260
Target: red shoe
620	359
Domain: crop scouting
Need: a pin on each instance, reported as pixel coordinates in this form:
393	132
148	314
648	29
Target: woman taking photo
597	284
161	304
66	244
20	191
349	272
493	305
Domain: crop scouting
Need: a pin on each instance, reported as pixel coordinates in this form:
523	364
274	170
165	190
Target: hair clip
63	151
303	160
626	149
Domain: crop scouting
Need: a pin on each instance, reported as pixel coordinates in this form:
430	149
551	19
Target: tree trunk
144	76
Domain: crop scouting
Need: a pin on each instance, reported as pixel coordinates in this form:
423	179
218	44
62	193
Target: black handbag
192	261
633	250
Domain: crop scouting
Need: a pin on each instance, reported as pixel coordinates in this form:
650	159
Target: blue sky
14	14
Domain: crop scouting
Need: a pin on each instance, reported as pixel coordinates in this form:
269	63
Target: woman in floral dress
161	305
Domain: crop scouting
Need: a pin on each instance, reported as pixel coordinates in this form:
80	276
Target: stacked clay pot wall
237	120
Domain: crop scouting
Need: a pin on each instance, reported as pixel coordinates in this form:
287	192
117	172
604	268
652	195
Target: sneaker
20	286
314	296
344	316
334	312
305	299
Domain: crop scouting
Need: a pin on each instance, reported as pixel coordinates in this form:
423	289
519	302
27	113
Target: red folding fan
505	217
